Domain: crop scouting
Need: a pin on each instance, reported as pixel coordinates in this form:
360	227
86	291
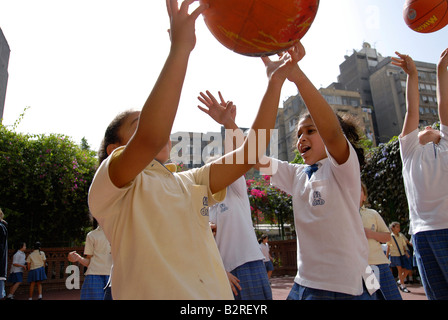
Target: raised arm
411	119
442	87
158	113
322	115
234	164
224	113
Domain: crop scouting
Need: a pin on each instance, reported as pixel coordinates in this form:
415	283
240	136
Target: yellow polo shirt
98	247
36	259
158	229
372	220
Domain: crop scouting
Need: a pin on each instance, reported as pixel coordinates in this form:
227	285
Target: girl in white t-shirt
18	266
424	155
332	249
235	234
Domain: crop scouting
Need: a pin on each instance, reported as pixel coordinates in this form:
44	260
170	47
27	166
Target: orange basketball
259	27
426	16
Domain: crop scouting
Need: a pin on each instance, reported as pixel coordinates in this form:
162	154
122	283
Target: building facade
382	87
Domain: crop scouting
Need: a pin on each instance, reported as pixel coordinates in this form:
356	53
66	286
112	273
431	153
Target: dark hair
37	245
262	237
20	245
111	135
350	126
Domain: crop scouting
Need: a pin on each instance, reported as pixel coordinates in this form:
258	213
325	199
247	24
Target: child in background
155	219
36	267
264	247
398	254
425	174
377	232
332	249
98	261
235	235
18	266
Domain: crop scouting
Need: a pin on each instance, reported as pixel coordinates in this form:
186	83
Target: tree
269	204
384	181
44	182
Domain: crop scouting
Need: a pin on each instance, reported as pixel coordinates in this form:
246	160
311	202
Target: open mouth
304	150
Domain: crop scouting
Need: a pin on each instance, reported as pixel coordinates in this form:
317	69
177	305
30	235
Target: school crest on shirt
223	208
205	209
317	199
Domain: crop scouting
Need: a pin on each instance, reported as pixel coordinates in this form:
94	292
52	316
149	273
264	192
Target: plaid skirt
37	275
388	286
254	281
431	253
299	292
93	287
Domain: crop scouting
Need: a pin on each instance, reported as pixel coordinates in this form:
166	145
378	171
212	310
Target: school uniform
425	176
398	253
36	260
97	275
332	249
238	245
372	220
159	232
16	273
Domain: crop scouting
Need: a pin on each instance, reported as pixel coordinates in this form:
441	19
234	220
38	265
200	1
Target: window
292	124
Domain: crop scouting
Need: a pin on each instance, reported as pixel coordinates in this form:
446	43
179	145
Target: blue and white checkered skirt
388	285
37	275
254	281
299	292
431	253
93	287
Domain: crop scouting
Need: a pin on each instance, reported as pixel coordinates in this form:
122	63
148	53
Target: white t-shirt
235	235
264	247
425	176
159	232
332	249
98	247
18	258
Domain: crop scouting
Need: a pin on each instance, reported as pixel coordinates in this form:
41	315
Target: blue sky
78	64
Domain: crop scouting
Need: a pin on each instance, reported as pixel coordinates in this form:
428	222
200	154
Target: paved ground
280	290
282	285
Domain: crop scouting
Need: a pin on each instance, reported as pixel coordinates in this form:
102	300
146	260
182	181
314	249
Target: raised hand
405	62
442	87
182	24
223	112
282	68
443	61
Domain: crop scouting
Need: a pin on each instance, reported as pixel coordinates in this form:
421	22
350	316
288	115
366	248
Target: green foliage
269	205
384	181
44	182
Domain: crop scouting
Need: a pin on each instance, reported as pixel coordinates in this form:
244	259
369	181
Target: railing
284	253
55	269
285	257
